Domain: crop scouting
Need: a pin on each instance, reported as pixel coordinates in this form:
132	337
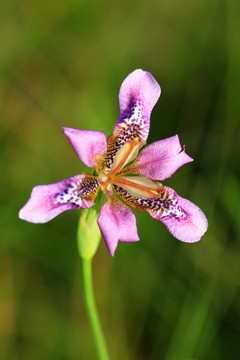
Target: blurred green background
61	64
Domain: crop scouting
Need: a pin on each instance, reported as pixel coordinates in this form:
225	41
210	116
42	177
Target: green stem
92	309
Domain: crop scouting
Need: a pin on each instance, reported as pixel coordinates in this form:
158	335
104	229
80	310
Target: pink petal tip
87	144
117	223
161	159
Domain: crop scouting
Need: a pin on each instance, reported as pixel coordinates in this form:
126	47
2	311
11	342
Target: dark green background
61	64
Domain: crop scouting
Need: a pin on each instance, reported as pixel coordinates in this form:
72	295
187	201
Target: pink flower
113	159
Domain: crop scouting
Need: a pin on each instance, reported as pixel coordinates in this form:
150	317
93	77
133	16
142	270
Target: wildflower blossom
127	179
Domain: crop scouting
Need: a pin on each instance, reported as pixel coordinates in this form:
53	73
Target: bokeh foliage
61	64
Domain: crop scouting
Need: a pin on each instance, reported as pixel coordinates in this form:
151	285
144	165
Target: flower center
138	186
105	184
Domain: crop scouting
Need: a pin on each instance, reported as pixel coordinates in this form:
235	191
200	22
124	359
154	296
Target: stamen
127	153
138	186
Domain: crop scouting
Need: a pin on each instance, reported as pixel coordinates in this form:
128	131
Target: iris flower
128	179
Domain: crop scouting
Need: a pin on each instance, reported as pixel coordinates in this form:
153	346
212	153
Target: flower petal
161	159
48	201
138	94
184	220
117	223
89	145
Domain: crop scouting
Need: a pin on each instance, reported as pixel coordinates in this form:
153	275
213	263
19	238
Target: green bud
88	233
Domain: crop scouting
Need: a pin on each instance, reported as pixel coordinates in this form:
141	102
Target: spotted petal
161	159
117	223
184	220
48	201
89	145
137	96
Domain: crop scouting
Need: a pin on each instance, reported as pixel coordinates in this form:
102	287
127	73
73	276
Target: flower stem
92	309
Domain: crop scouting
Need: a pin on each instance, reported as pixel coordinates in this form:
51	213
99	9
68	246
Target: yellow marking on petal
98	161
114	202
129	201
89	187
138	186
111	144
